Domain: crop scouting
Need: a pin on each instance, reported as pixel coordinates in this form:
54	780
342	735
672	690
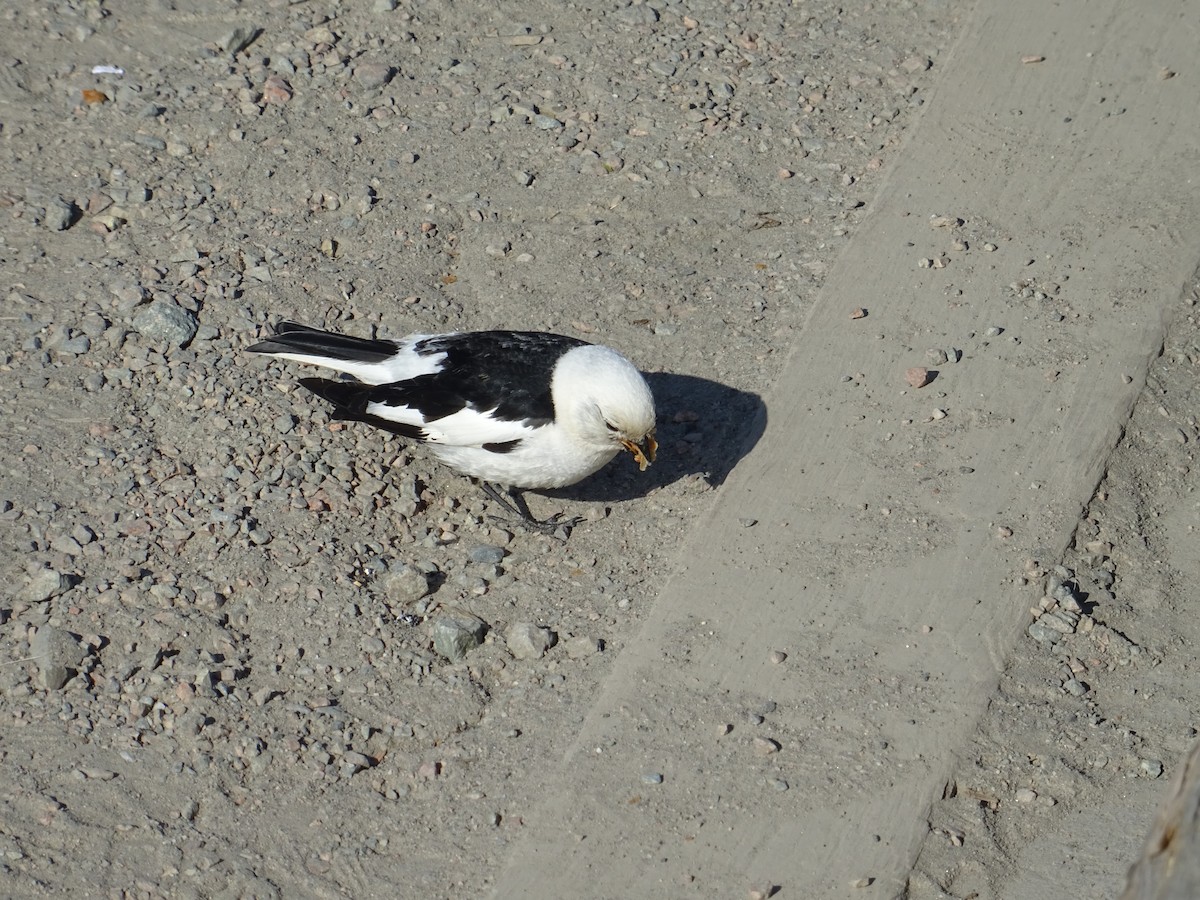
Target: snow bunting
519	408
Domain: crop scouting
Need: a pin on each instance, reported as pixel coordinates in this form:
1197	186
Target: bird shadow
704	427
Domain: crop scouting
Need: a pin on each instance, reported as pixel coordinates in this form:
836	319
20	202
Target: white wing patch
465	428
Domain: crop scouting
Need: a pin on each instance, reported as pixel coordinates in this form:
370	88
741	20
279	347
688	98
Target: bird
515	409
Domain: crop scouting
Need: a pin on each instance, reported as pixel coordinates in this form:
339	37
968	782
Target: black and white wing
486	389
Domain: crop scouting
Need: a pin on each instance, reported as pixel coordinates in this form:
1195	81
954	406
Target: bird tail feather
349	400
300	340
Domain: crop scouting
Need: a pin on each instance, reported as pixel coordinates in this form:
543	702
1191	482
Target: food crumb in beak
643	453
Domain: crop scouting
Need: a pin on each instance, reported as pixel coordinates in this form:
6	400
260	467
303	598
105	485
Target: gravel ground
247	651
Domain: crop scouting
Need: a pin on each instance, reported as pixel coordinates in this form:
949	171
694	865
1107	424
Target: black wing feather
290	337
505	371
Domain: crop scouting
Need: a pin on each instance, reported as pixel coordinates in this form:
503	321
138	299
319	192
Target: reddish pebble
858	313
277	90
918	376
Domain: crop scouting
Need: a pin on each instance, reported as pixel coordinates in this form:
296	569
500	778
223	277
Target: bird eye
610	426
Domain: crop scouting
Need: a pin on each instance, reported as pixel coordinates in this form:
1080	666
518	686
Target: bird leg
518	509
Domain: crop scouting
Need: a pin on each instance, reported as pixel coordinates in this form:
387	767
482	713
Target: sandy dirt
849	637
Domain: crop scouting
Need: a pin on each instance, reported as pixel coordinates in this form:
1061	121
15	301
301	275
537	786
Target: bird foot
514	503
555	526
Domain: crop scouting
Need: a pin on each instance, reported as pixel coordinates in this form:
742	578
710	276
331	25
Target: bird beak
644	452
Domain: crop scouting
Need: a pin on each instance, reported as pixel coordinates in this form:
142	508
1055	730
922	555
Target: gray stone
75	346
404	585
50	210
1061	620
1043	634
57	654
44	585
581	645
486	554
370	75
1075	687
455	634
150	141
166	321
528	641
356	760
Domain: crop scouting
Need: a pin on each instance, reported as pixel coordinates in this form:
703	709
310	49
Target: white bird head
601	398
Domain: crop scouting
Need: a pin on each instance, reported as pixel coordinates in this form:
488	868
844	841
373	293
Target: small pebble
45	584
777	656
486	554
765	746
652	778
57	655
166	321
456	634
528	641
404	585
276	90
919	376
582	646
944	221
1043	633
